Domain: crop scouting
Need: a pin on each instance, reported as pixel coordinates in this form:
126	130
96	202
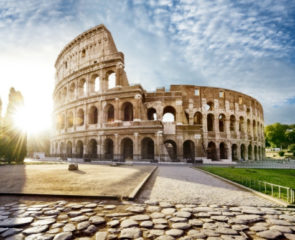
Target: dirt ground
89	180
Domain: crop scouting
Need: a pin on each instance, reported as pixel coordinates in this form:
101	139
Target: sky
244	45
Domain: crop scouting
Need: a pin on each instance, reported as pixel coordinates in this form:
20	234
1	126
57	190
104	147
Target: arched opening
56	148
223	151
241	125
254	129
189	151
92	148
186	117
249	127
111	80
198	118
171	148
232	123
127	149
110	113
62	121
250	152
152	114
255	153
97	84
108	149
210	122
259	154
82	88
70	119
127	111
243	152
69	149
221	120
147	148
211	151
62	148
65	93
80	117
93	115
210	106
234	152
72	91
80	149
169	114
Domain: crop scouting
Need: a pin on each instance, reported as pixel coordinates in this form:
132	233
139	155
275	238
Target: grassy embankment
250	177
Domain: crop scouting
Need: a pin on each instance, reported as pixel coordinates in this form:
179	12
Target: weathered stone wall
99	115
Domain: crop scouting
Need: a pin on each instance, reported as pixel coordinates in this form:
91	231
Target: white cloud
241	45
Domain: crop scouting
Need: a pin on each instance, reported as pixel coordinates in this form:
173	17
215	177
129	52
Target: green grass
250	177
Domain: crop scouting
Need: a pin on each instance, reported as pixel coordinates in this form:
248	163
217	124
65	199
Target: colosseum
99	116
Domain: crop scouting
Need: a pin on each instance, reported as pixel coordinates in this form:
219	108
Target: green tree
14	141
276	135
290	135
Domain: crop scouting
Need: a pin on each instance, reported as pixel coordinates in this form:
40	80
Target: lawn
89	180
250	177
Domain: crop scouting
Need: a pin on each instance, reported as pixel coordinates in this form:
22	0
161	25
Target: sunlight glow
27	120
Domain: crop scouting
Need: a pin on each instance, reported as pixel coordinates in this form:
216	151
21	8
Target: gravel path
186	185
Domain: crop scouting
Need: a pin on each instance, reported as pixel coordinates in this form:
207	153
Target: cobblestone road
186	185
95	220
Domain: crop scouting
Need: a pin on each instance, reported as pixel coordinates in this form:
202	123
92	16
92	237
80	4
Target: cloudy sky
245	45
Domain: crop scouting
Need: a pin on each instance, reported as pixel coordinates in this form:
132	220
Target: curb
275	200
103	197
139	187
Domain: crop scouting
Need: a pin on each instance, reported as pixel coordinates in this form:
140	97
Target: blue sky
246	45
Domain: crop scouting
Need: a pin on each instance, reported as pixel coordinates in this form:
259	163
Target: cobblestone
117	223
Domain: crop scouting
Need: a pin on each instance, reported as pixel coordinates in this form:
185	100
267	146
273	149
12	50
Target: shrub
291	148
281	153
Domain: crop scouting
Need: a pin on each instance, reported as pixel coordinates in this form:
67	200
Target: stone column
157	145
117	110
179	148
239	151
99	146
137	108
216	126
246	152
227	127
179	112
136	152
217	150
228	149
117	154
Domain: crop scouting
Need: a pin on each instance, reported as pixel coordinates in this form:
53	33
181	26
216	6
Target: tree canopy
280	135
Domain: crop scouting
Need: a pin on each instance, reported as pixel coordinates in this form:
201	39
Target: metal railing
290	193
275	190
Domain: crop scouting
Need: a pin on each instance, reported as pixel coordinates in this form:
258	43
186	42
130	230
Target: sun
25	120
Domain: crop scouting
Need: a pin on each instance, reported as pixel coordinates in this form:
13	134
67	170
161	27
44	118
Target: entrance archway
108	149
127	149
234	152
147	148
189	151
243	152
223	151
211	151
79	149
171	148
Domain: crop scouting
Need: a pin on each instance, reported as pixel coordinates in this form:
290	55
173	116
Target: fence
275	190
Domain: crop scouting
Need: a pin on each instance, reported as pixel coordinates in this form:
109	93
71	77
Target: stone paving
61	220
187	185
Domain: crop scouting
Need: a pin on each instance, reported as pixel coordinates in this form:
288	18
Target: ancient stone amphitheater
99	116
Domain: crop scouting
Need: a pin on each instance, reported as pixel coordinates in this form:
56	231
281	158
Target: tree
14	141
290	135
276	134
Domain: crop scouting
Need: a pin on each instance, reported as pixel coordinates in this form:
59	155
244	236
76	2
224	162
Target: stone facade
98	115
